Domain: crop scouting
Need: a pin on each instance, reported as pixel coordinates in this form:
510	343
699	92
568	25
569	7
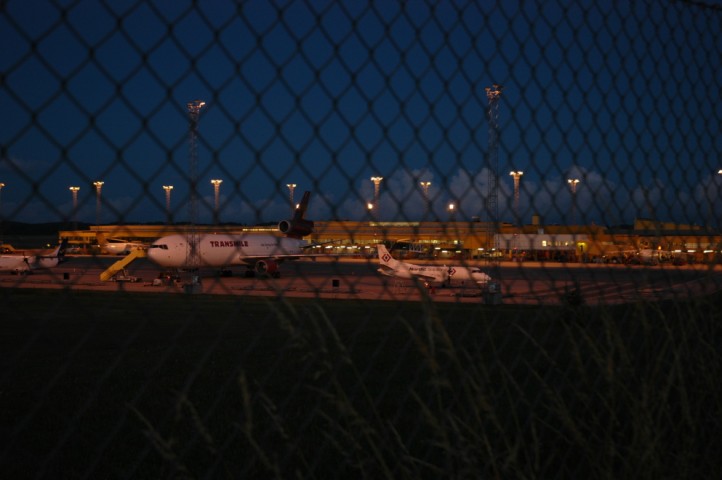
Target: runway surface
521	283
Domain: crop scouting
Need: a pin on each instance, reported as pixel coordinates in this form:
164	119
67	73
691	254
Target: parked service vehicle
124	276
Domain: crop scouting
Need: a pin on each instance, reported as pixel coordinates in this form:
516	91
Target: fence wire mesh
506	265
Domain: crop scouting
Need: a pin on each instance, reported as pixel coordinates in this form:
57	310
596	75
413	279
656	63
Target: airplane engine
267	267
296	228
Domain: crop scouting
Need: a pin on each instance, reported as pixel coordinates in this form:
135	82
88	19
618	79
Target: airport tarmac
530	283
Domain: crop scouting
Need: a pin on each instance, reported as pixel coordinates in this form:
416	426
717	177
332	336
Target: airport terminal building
469	239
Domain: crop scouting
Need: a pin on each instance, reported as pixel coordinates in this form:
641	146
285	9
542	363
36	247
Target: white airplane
21	263
260	253
118	246
434	274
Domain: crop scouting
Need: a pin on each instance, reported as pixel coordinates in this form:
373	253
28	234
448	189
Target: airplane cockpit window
162	246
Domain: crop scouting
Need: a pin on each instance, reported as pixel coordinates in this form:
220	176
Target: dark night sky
624	96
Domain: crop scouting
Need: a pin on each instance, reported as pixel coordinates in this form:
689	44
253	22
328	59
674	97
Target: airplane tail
385	258
59	251
298	226
54	258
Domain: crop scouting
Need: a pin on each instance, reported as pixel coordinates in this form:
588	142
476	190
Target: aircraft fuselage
223	250
438	274
16	263
430	273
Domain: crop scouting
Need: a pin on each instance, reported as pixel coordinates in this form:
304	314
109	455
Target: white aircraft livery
260	253
118	246
435	274
18	264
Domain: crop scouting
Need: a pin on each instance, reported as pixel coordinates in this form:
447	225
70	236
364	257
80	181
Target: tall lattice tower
492	94
192	253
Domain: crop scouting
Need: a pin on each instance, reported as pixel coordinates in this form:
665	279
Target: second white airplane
434	274
260	253
118	246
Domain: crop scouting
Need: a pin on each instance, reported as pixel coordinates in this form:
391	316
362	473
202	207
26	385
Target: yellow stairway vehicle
121	264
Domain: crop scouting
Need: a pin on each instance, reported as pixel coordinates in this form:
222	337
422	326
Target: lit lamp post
98	187
193	258
377	184
427	203
168	189
573	182
517	177
291	188
452	211
372	223
74	193
194	111
216	195
493	95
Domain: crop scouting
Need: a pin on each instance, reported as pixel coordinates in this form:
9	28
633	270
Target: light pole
517	177
168	189
573	182
372	220
216	195
377	184
291	188
98	188
452	211
427	203
493	94
74	192
194	110
192	254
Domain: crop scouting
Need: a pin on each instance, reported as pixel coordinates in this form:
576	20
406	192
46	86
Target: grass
109	385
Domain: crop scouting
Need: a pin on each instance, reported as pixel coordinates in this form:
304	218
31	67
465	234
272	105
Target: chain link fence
539	143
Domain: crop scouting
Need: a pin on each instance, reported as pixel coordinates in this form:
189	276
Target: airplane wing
428	278
268	264
312	245
276	258
386	270
253	259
